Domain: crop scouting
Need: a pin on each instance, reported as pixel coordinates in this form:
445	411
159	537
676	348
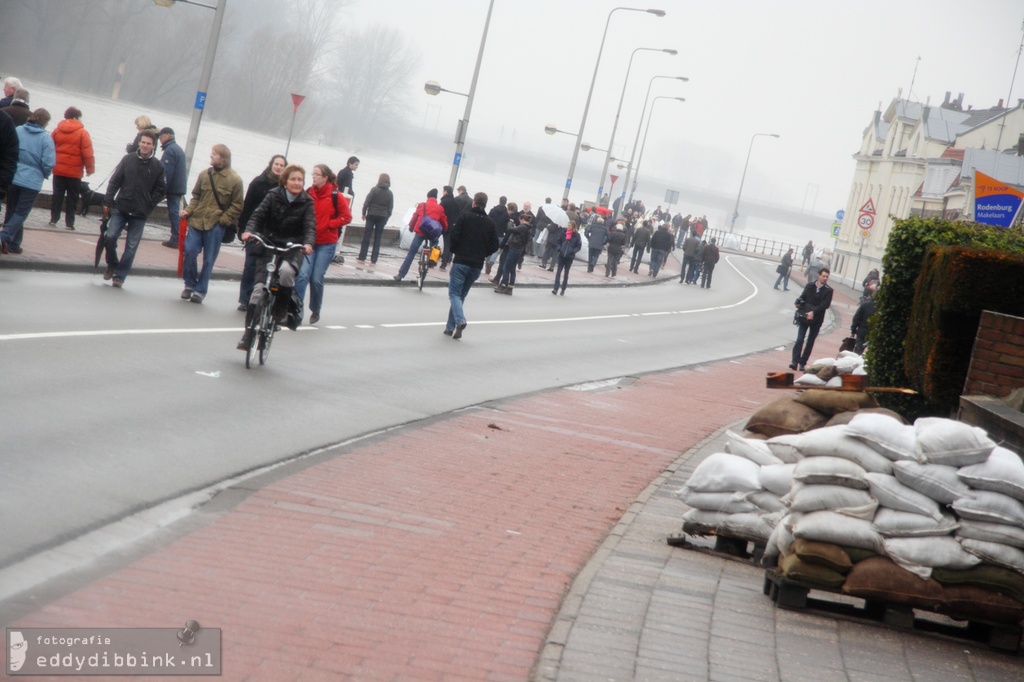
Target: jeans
637	259
592	261
174	214
784	279
611	266
207	241
314	267
115	226
658	257
19	204
375	228
460	280
694	272
72	188
414	252
508	273
705	275
562	273
550	255
802	349
248	275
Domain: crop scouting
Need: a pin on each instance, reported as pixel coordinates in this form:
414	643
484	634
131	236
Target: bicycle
263	324
428	259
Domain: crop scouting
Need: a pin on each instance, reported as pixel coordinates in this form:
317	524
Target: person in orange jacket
74	154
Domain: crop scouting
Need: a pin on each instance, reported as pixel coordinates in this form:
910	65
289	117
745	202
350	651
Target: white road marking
212	375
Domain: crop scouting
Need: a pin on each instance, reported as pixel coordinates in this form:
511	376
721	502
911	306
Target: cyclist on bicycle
424	223
285	215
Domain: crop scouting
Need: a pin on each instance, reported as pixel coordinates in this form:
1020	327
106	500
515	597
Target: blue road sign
839	214
457	160
200	100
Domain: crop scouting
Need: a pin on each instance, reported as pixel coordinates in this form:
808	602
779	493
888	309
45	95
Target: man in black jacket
451	212
813	302
133	191
474	238
9	148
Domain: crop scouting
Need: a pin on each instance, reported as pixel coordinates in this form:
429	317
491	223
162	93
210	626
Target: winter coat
345	176
474	237
597	235
691	246
451	208
499	214
133	146
138	185
281	221
465	202
662	240
36	156
571	244
616	242
815	301
430	208
556	235
710	254
519	235
19	111
328	220
74	149
9	147
642	238
379	202
174	168
255	195
860	318
203	211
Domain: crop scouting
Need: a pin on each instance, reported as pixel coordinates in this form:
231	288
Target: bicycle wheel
255	325
422	275
267	333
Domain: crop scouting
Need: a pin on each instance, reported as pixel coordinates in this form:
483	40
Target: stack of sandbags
829	371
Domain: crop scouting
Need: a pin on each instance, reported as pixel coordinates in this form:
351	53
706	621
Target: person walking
691	247
345	177
217	202
640	243
254	195
173	159
332	213
807	253
286	215
784	268
616	244
661	245
428	209
474	237
518	238
8	152
135	188
499	216
452	209
377	208
861	323
812	304
36	158
597	235
567	250
74	155
709	258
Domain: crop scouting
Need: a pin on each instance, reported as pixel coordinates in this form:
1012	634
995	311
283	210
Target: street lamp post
590	93
736	209
639	125
204	79
432	88
636	177
615	126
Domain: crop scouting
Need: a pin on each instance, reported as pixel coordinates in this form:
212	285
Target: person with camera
811	306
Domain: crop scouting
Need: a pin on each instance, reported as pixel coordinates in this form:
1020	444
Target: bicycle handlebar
279	249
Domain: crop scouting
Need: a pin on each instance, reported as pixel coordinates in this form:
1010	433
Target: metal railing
742	242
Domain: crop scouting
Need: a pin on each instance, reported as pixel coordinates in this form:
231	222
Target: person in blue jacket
177	183
36	157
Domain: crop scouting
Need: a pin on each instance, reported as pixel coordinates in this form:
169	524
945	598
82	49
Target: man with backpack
428	222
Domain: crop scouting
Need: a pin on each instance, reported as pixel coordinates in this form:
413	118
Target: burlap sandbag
969	602
833	402
785	416
879	579
816	574
823	554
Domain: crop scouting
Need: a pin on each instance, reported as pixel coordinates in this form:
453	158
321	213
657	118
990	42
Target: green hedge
904	256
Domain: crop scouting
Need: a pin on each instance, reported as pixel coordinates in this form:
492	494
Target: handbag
542	238
229	230
847	344
799	317
781	269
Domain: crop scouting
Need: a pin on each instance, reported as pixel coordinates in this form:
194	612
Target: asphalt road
114	400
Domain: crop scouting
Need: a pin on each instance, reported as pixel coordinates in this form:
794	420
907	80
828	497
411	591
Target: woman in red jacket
74	153
332	213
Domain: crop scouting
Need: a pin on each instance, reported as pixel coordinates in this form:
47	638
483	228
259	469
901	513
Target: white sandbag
704	518
766	501
756	451
785	447
945	441
1002	472
892	494
885	435
846	365
937	481
773	518
779	544
830	471
727	503
892	523
835	382
1003	533
995	553
777	478
837	498
722	472
746	525
821	363
984	505
808	380
849	354
921	555
835	441
845	531
860	371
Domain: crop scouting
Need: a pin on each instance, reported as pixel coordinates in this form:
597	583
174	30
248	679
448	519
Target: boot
246	340
284	297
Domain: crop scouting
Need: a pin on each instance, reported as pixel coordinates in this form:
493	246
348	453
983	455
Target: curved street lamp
550	129
590	93
586	147
639	125
636	178
622	97
736	209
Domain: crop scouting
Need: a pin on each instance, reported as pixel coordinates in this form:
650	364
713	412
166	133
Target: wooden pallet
793	595
727	546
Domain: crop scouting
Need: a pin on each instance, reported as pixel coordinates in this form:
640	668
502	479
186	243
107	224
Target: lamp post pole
590	93
636	178
639	125
615	126
460	131
736	209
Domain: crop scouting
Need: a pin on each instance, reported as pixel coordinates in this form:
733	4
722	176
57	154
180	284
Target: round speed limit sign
866	221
